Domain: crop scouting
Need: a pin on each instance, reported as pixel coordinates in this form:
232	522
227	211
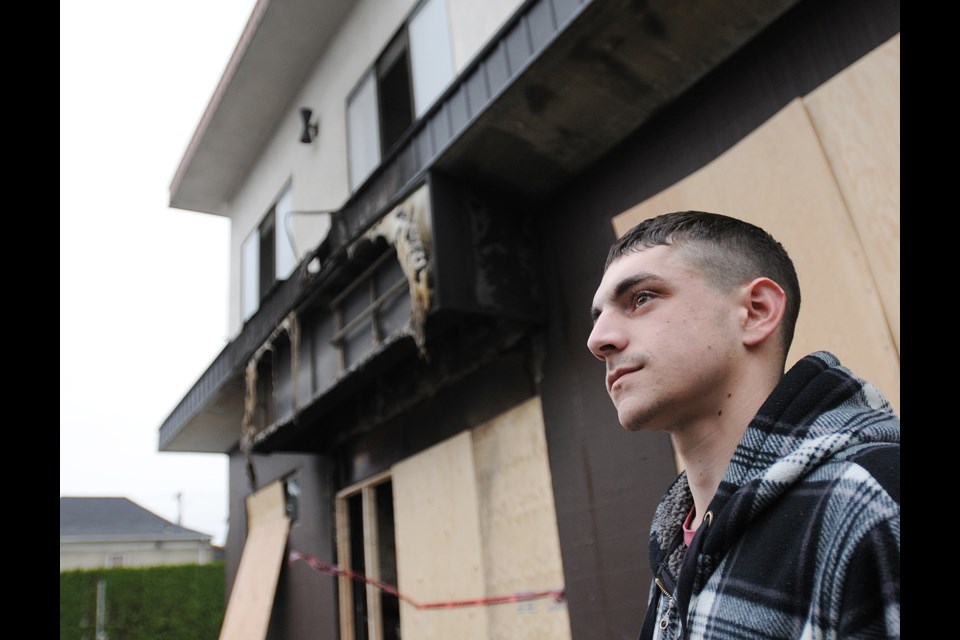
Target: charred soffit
441	284
617	64
441	287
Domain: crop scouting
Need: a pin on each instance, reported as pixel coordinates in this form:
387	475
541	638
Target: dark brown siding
306	602
466	404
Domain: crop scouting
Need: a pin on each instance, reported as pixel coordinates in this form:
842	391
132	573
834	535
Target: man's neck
706	447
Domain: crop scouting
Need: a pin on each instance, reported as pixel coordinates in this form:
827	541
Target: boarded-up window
438	541
518	523
857	119
475	517
823	177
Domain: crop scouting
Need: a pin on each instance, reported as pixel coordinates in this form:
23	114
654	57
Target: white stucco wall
135	553
319	170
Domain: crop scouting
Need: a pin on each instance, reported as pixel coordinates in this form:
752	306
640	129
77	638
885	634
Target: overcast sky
143	287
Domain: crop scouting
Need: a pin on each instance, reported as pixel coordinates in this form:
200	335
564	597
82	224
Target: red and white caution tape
334	570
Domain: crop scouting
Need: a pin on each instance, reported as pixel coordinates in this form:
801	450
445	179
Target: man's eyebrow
625	285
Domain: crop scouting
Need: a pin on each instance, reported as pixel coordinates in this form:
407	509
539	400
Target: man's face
670	339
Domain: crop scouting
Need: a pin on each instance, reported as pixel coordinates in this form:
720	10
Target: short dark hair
730	252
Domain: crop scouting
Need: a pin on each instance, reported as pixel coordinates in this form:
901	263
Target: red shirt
688	533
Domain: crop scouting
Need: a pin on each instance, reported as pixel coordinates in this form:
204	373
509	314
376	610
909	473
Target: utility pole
101	610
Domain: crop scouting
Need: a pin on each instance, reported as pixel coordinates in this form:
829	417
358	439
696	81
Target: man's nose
607	337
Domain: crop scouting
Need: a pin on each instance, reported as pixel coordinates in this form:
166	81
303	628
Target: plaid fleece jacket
802	539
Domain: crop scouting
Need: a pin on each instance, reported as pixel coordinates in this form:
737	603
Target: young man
786	520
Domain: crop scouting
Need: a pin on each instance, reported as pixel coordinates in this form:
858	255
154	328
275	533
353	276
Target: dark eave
282	41
617	65
559	86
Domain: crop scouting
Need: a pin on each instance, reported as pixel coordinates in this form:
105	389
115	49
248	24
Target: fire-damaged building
421	195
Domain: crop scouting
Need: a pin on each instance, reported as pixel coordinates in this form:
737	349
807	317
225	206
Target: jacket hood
819	412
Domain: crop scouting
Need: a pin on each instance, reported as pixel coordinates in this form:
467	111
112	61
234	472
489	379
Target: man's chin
633	423
643	421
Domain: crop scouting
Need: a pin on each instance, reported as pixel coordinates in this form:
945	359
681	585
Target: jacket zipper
664	622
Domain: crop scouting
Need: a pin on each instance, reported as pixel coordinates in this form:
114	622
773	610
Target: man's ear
765	304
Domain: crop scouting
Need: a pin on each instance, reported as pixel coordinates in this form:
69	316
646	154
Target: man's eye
640	298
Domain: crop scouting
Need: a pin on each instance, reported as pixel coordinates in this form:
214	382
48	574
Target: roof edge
243	45
137	537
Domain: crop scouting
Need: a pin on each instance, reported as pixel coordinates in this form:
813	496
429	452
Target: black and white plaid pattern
805	537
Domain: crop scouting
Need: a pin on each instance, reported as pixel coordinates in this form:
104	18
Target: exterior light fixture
310	129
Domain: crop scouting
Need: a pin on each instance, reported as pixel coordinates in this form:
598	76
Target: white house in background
116	532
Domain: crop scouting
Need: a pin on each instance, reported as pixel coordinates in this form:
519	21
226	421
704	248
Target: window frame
344	328
366	489
270	230
354	170
375	74
436	90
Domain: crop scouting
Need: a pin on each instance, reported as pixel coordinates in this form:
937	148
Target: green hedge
152	603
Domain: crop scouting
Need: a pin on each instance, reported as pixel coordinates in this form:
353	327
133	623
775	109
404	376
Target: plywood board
778	178
857	118
518	521
251	601
438	541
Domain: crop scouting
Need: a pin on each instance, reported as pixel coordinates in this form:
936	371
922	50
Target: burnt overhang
611	70
558	87
479	302
416	303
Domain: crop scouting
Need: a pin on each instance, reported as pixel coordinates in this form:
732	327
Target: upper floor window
430	53
267	254
407	78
